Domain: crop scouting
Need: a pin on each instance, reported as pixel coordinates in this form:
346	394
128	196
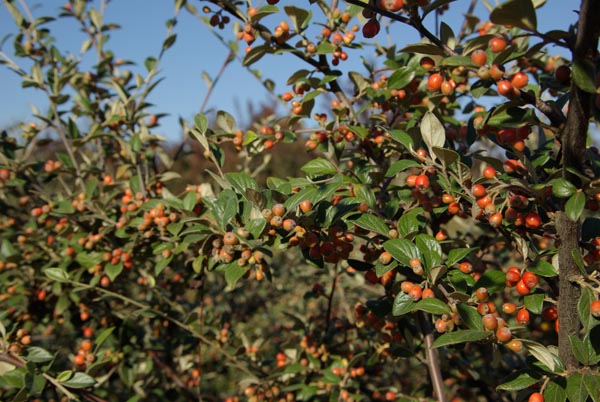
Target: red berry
505	88
530	279
391	5
422	182
489	172
497	44
519	80
522	289
532	220
523	316
595	308
536	397
427	63
478	190
479	57
371	28
434	83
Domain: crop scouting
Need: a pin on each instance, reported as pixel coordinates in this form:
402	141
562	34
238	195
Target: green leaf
113	270
583	76
402	304
461	336
592	384
430	249
432	131
401	77
402	250
583	308
319	167
516	13
403	138
534	302
576	391
469	316
300	17
102	336
544	268
520	380
554	392
580	351
575	205
225	121
241	182
433	306
493	280
543	354
255	54
423	48
458	254
150	63
80	380
233	273
446	156
57	274
411	222
64	375
512	117
201	123
264	11
36	354
189	201
562	188
372	223
169	42
399	166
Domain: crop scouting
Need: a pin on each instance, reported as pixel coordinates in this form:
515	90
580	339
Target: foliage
421	236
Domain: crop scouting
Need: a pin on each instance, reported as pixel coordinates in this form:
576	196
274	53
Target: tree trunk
573	139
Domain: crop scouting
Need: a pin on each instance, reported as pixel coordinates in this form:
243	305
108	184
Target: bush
414	258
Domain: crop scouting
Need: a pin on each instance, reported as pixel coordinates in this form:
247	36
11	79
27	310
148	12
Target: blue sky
197	50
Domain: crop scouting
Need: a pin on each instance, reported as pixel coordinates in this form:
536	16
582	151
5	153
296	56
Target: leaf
580	351
512	117
423	48
401	77
402	304
411	222
255	54
102	336
433	306
583	308
402	137
470	316
432	131
319	167
461	336
583	76
241	182
493	280
431	250
554	392
36	354
399	166
562	188
233	273
575	205
543	268
80	380
534	302
402	250
592	384
520	380
113	270
516	13
150	63
447	156
300	17
225	121
458	254
543	354
576	391
372	223
169	42
57	274
201	123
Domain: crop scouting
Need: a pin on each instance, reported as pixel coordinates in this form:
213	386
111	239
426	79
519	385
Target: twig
465	24
433	363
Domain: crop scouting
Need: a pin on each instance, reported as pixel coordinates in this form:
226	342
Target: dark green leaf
493	280
583	308
402	250
516	13
399	166
534	302
401	77
411	222
458	254
433	306
562	188
233	273
423	48
520	380
372	223
461	336
36	354
102	336
430	249
402	304
300	17
575	205
576	391
469	316
592	384
319	167
555	392
579	350
402	137
150	63
583	75
80	380
57	274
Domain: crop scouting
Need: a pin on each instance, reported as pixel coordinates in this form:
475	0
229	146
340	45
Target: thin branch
465	24
433	362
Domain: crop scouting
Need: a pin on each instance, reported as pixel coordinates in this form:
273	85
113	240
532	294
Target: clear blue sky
197	50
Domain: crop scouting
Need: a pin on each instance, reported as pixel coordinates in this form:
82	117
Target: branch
433	363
